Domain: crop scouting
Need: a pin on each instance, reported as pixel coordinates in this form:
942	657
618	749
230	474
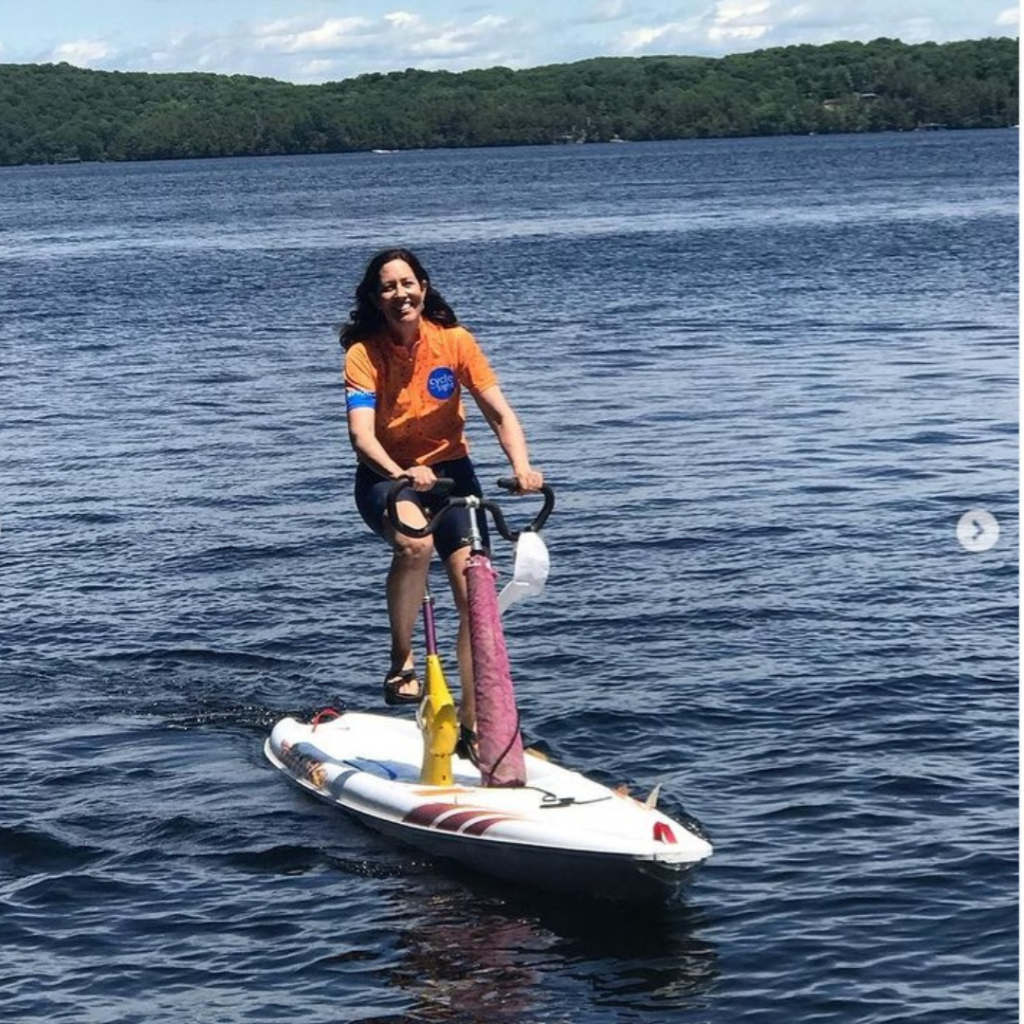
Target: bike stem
476	540
429	628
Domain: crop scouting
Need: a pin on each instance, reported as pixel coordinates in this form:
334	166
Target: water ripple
764	406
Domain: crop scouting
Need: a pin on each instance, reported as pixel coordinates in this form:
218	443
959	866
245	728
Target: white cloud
644	38
730	26
737	10
333	34
316	69
399	39
83	52
609	10
403	19
915	30
452	42
726	22
381	38
738	20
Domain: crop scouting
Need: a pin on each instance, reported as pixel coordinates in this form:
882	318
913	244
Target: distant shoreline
534	145
59	114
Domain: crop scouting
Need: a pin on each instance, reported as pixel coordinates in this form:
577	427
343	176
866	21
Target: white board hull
561	831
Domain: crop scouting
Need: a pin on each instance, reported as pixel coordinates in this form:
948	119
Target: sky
313	41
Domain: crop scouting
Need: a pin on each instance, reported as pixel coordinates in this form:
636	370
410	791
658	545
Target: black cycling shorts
452	532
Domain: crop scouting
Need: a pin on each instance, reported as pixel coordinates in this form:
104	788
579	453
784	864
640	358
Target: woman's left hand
530	479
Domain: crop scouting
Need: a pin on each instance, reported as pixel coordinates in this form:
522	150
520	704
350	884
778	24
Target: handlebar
444	485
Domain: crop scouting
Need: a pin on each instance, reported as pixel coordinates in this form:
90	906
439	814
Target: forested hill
58	113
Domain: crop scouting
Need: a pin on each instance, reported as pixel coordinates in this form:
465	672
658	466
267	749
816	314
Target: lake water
766	379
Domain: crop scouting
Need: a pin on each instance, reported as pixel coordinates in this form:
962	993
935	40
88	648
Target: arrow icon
977	530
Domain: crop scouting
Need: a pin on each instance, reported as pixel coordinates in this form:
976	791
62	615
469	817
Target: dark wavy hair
365	318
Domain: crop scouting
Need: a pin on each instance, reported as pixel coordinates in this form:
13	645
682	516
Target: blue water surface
766	379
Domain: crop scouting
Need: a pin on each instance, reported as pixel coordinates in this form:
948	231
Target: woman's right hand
421	478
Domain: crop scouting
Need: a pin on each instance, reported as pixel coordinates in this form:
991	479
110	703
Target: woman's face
400	295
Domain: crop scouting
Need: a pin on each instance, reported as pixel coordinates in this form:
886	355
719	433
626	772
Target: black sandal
393	683
466	747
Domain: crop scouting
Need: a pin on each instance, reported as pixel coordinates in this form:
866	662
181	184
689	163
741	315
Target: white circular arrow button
977	530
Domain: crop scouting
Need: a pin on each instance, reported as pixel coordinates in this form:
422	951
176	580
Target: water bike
497	808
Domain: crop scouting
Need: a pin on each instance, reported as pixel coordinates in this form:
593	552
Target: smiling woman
407	360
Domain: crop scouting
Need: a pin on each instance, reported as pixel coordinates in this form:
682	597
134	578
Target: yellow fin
439	724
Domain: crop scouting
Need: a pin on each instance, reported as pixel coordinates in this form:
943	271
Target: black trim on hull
606	876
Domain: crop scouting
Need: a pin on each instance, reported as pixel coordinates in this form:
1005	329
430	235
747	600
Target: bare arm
363	435
505	424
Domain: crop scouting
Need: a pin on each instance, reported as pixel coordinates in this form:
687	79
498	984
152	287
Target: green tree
56	112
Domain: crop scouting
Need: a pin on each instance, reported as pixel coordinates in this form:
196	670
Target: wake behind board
560	831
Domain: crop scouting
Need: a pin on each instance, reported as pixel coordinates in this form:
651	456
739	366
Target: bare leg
456	566
406	584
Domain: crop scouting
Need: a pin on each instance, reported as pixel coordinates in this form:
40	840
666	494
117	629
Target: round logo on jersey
441	383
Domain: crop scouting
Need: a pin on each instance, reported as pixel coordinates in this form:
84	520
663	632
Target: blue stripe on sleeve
355	399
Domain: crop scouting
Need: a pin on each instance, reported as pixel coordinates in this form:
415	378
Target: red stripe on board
427	814
453	822
480	827
452	818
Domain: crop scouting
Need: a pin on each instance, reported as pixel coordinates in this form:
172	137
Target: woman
406	363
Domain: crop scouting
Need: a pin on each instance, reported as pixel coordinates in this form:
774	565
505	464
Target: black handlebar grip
441	489
511	484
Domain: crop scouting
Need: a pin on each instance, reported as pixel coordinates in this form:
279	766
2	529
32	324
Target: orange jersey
417	396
